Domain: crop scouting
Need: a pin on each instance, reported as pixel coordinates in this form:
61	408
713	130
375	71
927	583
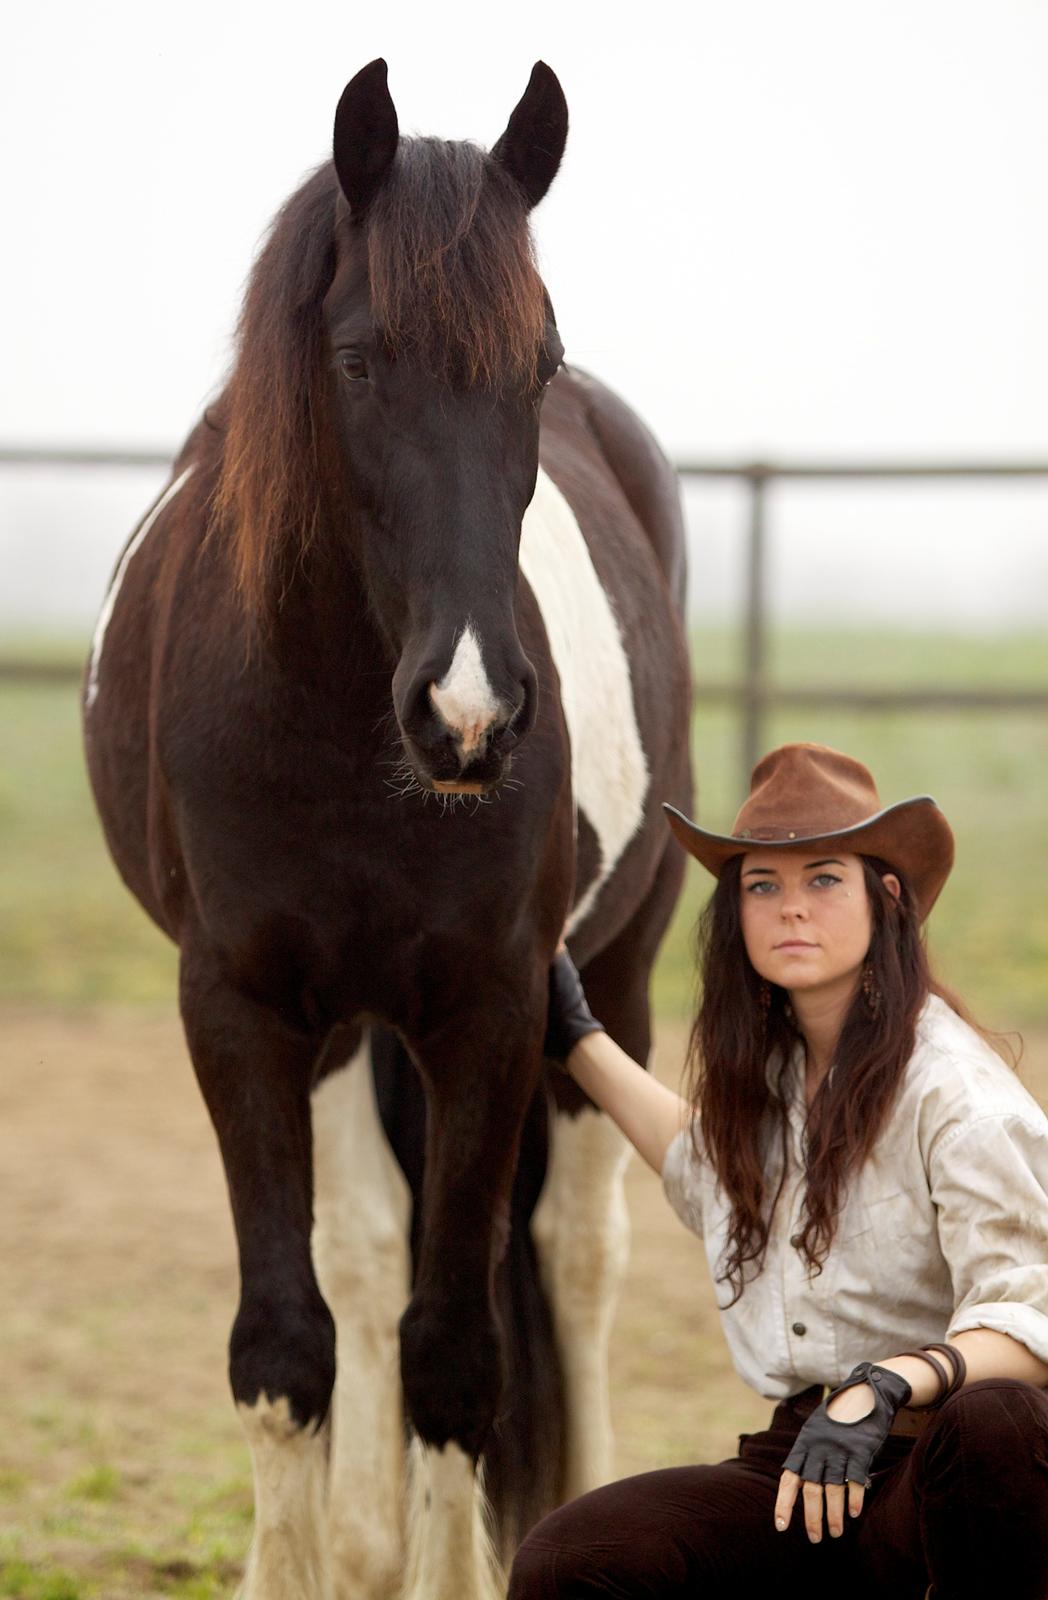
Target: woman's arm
649	1114
987	1354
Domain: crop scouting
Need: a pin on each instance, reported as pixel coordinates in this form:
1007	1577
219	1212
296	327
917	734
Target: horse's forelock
454	285
451	266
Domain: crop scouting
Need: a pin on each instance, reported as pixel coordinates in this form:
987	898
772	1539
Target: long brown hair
742	1041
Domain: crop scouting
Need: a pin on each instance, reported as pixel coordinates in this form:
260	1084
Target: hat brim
912	836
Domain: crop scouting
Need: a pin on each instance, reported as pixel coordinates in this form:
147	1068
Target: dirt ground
121	1464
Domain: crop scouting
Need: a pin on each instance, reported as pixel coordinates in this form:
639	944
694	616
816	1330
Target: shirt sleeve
682	1180
989	1182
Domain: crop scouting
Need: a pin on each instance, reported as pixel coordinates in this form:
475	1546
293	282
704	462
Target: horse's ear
366	135
533	143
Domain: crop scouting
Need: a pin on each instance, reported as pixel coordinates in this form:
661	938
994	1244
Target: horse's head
440	341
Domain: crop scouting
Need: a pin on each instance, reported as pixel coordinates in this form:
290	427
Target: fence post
754	678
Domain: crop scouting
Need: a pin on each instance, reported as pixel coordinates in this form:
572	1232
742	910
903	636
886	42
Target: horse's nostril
505	738
523	714
519	706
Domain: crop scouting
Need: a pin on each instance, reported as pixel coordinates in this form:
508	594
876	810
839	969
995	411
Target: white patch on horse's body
451	1555
118	577
609	770
362	1212
288	1554
581	1232
464	696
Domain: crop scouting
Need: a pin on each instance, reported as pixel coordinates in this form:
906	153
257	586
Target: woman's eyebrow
830	861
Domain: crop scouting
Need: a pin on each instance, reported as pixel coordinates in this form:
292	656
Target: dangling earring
870	992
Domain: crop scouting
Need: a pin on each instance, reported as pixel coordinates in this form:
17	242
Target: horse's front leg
362	1253
254	1071
480	1074
581	1224
581	1231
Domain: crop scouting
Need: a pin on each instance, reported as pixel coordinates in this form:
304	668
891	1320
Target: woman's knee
638	1537
996	1403
998	1425
545	1567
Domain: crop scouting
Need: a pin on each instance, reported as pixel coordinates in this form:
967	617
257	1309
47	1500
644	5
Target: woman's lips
796	944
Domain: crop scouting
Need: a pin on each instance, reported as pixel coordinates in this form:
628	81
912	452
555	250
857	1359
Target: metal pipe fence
752	693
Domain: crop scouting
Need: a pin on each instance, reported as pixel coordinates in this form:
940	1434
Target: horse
385	693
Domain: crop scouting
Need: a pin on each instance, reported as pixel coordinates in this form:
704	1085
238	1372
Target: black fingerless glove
569	1018
826	1451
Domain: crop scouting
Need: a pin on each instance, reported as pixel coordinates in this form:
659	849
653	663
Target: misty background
804	231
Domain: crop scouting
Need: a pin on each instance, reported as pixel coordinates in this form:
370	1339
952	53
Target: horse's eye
352	365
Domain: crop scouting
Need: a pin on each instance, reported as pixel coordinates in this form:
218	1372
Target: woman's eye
760	886
352	365
825	880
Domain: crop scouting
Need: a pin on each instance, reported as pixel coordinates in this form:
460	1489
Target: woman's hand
836	1447
569	1018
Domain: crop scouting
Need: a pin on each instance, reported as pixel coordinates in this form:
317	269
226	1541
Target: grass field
123	1472
123	1475
71	936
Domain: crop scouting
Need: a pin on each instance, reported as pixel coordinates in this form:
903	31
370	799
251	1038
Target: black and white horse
388	687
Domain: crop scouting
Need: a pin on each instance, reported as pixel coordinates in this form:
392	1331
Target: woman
871	1184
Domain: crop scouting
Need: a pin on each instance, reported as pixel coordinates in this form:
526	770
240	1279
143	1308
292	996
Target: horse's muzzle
470	758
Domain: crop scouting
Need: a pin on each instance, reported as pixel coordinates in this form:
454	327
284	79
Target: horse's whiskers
403	782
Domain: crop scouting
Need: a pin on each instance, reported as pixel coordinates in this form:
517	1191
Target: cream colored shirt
945	1226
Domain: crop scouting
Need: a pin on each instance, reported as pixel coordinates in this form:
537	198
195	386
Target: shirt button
795	1241
799	1329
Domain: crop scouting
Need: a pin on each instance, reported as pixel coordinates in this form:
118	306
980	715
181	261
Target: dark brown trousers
964	1508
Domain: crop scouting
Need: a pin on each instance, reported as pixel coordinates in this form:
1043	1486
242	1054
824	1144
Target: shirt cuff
1023	1323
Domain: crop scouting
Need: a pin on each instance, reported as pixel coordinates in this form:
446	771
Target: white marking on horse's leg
464	696
581	1232
288	1553
451	1555
362	1209
114	588
609	770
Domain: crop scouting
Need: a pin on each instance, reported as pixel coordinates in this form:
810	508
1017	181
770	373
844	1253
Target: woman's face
806	915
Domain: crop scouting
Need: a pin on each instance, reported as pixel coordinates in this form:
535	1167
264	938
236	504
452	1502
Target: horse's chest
609	770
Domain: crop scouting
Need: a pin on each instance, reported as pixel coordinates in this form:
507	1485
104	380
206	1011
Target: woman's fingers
812	1497
835	1509
812	1494
789	1483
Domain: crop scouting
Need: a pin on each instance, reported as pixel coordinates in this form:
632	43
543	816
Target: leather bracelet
945	1378
960	1368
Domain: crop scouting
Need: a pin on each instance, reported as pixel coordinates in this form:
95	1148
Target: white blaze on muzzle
464	697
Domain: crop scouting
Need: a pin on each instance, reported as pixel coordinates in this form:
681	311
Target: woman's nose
793	908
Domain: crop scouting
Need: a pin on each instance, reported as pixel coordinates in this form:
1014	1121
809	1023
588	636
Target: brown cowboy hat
806	794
